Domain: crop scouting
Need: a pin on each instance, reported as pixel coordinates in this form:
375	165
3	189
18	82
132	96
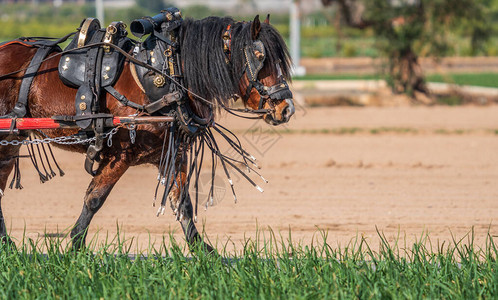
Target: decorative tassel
32	156
61	173
52	173
47	175
16	180
192	150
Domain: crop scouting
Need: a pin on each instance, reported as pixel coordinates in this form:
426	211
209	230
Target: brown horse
216	69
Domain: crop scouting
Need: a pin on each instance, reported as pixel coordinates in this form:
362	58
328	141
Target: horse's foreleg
108	173
7	160
185	214
191	234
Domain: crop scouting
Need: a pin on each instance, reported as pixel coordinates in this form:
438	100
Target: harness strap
88	95
63	118
164	39
93	151
261	90
19	109
38	41
166	100
12	128
122	99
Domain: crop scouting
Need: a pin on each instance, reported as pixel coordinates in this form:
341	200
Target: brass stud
83	97
106	76
68	59
159	81
107	68
82	106
153	60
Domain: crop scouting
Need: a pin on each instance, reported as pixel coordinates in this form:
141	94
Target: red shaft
48	123
30	123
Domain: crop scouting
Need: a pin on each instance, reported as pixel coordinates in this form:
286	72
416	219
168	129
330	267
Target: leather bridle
254	58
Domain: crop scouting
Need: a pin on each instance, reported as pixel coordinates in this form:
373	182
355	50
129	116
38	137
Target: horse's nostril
285	112
288	111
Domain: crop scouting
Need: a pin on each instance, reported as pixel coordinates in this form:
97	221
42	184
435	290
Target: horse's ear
267	21
255	28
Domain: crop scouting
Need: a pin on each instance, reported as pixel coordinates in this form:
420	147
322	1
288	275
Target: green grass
475	79
450	100
274	268
375	131
326	46
399	130
338	77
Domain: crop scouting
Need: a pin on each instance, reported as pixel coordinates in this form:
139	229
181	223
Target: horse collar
189	122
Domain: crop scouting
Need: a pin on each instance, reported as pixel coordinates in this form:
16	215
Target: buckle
109	34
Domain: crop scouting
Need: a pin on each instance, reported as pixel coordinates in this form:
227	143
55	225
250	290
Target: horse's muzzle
282	114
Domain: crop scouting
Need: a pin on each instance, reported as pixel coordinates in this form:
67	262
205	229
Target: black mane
204	61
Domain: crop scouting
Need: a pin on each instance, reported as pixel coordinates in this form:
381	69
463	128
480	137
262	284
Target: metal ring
112	29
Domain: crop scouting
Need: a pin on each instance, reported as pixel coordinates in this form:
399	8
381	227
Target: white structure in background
99	7
295	38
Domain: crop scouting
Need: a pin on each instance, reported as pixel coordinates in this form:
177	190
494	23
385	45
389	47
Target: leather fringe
179	149
40	159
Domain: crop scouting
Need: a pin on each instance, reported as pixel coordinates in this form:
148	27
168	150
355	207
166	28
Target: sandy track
440	176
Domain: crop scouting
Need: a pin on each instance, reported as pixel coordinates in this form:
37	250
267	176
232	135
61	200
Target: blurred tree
404	29
200	12
154	6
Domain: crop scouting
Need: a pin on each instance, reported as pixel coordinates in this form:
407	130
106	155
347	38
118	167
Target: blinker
255	56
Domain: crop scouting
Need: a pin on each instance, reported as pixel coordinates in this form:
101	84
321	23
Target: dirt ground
350	171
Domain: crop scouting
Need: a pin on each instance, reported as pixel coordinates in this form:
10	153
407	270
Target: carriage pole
48	123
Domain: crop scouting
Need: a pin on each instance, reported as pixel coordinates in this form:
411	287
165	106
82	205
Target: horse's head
265	71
